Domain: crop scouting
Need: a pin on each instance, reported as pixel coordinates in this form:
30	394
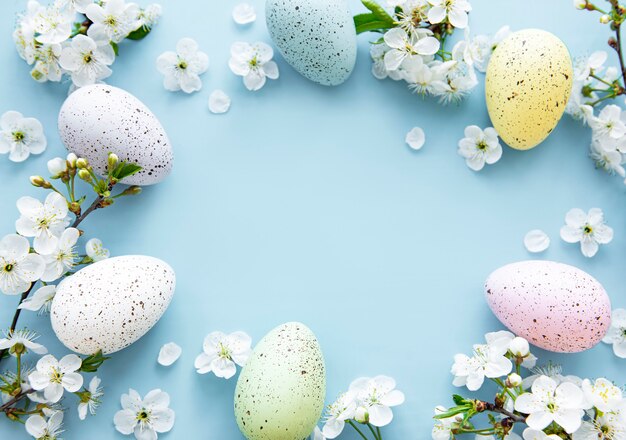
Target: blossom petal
380	415
72	382
125	421
163	419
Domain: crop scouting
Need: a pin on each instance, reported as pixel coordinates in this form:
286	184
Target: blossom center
56	376
19	136
254	62
9	267
482	145
110	20
588	229
143	416
182	65
87	58
224	352
552	407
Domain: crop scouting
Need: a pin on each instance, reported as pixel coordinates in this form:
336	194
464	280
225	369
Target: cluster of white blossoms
544	404
608	125
46	384
367	404
413	50
78	38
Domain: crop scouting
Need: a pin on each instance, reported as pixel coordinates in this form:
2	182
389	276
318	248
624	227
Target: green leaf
92	363
373	26
458	399
379	12
139	33
123	170
115	47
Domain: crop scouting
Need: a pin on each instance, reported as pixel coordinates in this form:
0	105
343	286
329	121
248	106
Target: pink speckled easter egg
555	306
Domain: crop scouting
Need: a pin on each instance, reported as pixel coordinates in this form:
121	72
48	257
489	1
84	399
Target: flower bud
519	347
580	4
514	380
113	160
74	208
82	163
56	167
106	202
132	191
605	19
71	160
84	174
361	415
37	181
613	43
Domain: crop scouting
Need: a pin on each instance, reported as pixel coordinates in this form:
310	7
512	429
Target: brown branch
95	205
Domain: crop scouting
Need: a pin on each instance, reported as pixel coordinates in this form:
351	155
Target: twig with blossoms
547	404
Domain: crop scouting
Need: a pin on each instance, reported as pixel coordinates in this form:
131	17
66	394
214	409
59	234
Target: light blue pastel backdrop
303	203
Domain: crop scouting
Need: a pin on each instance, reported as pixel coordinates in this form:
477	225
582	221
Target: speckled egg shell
555	306
528	84
280	392
316	37
111	304
99	119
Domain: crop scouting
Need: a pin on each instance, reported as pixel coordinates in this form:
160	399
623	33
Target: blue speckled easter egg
316	37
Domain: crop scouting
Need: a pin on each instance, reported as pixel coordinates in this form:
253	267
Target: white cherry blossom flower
22	341
536	241
244	13
115	19
20	137
145	418
587	228
608	160
533	434
169	354
616	335
254	63
149	16
87	60
18	267
420	76
90	398
46	222
63	258
337	413
40	301
219	102
53	24
222	352
608	122
488	360
549	402
411	14
593	64
379	70
479	147
57	167
182	69
415	138
455	11
96	250
554	372
608	426
47	66
404	45
45	429
482	47
53	376
602	394
376	396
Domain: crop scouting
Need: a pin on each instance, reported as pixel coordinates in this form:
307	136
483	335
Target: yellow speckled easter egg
528	84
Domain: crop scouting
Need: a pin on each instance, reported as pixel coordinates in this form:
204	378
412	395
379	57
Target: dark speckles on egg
316	37
106	317
280	392
555	306
99	119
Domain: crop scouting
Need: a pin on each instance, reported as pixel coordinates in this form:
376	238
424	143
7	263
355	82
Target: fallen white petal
536	241
244	13
169	354
219	102
416	138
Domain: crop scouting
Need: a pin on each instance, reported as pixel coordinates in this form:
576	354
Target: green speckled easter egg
528	84
280	392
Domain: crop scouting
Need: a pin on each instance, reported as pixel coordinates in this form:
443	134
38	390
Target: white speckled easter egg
112	303
99	119
528	84
316	37
555	306
280	392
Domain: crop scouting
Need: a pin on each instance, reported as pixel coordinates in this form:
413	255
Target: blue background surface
303	203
